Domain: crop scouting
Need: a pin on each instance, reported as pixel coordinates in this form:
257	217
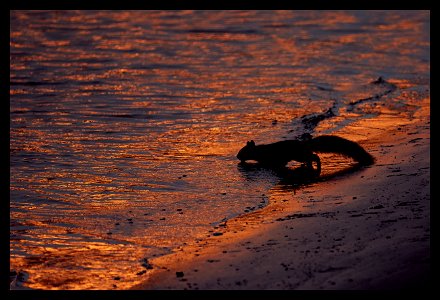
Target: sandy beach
125	128
369	229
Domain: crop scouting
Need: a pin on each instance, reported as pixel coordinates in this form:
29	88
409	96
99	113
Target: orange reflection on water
69	264
125	125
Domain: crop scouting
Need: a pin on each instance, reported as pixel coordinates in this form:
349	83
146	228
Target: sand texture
369	229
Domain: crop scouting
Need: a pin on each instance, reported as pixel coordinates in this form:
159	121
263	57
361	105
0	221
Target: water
124	125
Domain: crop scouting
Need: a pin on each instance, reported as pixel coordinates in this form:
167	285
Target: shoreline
365	230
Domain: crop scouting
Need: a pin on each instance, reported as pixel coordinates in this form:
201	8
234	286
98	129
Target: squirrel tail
336	144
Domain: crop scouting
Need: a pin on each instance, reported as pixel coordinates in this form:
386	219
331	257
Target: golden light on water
125	125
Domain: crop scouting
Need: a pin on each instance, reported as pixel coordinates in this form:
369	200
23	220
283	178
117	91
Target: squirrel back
336	144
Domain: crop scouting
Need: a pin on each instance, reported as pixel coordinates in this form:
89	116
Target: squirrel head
247	151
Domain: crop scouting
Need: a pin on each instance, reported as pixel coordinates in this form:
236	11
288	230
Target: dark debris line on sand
380	81
311	121
309	215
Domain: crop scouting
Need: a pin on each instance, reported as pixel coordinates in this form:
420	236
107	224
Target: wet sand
369	229
124	128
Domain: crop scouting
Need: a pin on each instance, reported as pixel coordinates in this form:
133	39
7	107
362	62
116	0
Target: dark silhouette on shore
277	155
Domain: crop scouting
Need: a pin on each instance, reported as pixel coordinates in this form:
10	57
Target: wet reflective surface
125	125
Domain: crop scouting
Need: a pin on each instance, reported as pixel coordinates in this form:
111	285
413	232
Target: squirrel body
280	153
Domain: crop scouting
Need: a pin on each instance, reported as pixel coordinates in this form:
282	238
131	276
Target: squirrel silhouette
278	154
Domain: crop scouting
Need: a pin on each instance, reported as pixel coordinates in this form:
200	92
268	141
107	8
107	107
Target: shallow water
124	126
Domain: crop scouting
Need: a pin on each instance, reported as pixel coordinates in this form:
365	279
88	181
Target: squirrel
277	155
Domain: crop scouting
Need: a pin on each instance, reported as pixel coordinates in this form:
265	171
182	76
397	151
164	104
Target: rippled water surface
124	125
